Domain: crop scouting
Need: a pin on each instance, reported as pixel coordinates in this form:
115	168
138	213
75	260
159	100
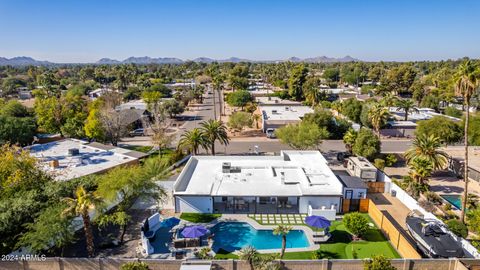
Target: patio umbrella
171	222
194	231
317	221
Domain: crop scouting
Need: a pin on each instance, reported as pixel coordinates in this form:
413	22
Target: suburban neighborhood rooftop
70	158
293	173
285	112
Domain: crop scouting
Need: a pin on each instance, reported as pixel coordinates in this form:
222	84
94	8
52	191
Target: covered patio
256	205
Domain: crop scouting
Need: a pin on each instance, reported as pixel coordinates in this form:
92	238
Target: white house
293	182
277	116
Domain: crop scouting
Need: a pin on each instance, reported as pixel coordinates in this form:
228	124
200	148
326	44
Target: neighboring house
293	182
70	158
418	115
362	168
277	116
399	129
354	190
456	159
94	94
269	100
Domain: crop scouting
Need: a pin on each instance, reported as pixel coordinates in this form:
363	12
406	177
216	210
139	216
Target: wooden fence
393	232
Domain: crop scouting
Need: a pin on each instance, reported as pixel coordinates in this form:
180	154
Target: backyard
341	245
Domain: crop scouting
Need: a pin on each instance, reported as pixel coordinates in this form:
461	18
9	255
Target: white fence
329	214
412	204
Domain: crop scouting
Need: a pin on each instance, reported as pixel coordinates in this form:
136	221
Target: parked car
137	132
342	156
270	133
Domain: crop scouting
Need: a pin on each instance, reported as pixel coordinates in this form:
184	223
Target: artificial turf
199	218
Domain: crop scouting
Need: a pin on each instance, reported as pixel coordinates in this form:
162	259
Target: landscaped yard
199	218
342	247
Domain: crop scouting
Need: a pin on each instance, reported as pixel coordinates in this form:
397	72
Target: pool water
231	236
163	237
455	200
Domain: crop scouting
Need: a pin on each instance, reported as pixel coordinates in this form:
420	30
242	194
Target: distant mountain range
25	61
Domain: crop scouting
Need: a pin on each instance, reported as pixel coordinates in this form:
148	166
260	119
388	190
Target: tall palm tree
406	105
378	115
467	82
282	230
249	254
420	170
81	204
193	140
427	147
214	130
349	139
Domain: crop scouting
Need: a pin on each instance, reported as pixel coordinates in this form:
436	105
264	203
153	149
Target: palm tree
193	140
81	204
467	82
389	100
420	170
249	254
426	147
406	105
282	230
378	115
214	130
349	139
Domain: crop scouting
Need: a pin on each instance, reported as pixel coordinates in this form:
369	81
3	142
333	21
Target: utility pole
214	102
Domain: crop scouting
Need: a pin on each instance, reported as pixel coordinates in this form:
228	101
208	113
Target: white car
270	133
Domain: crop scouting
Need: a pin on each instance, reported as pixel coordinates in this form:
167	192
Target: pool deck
244	218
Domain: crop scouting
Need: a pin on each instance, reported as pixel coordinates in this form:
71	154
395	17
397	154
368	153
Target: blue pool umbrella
170	222
317	221
194	231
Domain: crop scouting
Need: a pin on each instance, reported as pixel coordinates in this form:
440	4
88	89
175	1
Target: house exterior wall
317	202
357	193
193	204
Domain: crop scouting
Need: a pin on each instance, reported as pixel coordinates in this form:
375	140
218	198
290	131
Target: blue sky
86	30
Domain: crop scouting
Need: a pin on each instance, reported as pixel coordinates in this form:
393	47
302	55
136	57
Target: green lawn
341	246
139	148
199	218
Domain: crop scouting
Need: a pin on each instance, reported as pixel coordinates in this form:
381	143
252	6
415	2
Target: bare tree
114	122
159	125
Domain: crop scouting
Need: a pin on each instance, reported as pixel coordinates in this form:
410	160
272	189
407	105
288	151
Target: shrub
390	160
356	223
457	227
204	253
427	205
447	207
433	197
134	266
379	163
454	112
378	263
239	98
450	214
366	144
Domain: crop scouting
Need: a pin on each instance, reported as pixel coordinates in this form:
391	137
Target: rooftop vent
73	152
226	166
274	111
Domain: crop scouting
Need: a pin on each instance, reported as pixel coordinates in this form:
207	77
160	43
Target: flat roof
293	173
285	112
275	100
92	158
352	181
420	114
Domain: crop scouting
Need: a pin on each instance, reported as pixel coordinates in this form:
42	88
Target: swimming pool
163	237
231	236
455	200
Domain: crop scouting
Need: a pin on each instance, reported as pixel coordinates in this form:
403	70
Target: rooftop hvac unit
73	152
226	166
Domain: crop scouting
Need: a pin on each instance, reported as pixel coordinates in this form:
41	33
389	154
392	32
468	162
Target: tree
407	106
93	126
378	116
83	202
466	83
389	100
49	113
303	135
367	144
159	127
331	74
17	130
282	230
473	220
398	79
378	262
349	139
114	124
453	112
352	108
420	169
134	266
457	227
473	128
193	140
214	130
249	254
239	98
440	127
296	80
430	101
173	107
356	223
427	147
239	120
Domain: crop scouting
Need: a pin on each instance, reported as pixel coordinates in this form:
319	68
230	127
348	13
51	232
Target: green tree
331	74
49	112
440	127
282	230
173	107
389	100
378	262
367	144
457	227
398	79
240	120
193	140
427	147
296	81
453	112
420	169
473	128
17	130
352	108
249	254
93	126
378	116
349	139
466	83
356	223
407	106
430	101
214	130
303	135
239	98
473	220
83	202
